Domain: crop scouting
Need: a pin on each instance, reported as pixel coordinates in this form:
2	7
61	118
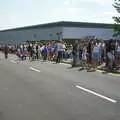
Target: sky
19	13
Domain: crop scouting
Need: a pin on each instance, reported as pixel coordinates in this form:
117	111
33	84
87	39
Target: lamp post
59	34
61	37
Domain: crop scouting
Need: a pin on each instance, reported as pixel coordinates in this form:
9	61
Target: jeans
59	57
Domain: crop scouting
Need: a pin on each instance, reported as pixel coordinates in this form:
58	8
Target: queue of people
55	50
97	54
90	54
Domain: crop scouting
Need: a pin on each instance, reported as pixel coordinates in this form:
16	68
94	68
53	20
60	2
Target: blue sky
17	13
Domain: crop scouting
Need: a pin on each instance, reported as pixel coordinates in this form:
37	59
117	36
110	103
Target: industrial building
57	30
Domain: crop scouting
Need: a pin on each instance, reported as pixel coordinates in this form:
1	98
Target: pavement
101	70
47	91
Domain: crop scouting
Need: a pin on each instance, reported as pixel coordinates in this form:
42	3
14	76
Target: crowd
96	54
90	54
53	51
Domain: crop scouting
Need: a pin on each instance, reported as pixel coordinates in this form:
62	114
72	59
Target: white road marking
65	64
97	94
34	69
13	61
52	62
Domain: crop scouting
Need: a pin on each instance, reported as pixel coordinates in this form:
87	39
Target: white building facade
58	30
75	33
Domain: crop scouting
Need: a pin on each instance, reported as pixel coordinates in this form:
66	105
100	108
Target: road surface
47	91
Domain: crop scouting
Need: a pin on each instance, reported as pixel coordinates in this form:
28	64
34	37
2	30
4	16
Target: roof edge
59	23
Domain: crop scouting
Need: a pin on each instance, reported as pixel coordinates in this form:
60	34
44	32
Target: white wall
72	32
44	34
24	35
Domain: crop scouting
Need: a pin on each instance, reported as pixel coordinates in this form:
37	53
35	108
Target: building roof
64	24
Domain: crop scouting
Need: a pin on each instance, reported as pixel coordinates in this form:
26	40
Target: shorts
96	56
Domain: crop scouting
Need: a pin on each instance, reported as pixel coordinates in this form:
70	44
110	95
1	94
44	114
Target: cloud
110	13
102	2
17	20
66	2
48	11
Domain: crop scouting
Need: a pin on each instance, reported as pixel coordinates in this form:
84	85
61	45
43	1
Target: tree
117	18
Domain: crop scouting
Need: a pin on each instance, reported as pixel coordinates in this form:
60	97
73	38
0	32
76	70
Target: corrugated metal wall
30	35
50	34
73	32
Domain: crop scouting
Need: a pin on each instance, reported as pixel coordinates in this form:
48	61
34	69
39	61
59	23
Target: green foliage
117	18
117	5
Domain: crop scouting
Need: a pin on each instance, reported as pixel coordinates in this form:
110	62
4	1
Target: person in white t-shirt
60	50
34	52
64	47
103	52
39	51
21	48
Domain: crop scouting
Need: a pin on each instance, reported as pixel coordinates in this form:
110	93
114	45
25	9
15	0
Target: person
65	54
21	48
84	57
34	51
60	50
54	50
6	51
64	50
96	55
111	61
103	52
49	52
118	54
37	52
45	53
89	54
25	52
74	53
18	52
29	49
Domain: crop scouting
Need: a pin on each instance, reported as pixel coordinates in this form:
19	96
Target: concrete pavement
49	91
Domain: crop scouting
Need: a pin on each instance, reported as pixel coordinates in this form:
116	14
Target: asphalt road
46	91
